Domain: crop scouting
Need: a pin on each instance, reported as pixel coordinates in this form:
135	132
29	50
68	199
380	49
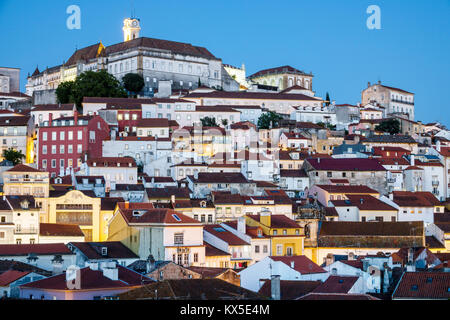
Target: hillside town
202	182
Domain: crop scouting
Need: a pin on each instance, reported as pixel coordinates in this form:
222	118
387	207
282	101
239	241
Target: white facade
264	269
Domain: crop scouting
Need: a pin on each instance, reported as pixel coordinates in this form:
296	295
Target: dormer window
104	251
25	204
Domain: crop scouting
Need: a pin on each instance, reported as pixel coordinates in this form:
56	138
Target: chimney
438	145
196	175
412	160
275	287
368	84
266	218
292	264
127	205
391	196
173	199
379	82
50	119
111	273
75	117
329	259
150	263
241	225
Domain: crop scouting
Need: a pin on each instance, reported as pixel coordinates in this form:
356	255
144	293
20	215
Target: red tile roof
337	296
290	290
10	276
302	264
277	70
277	221
59	230
336	284
92	280
333	164
225	235
166	45
112	162
211	251
423	285
39	249
23	168
149	215
357	189
367	202
397	229
115	250
415	199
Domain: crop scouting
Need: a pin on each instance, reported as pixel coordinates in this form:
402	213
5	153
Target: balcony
26	231
435	183
402	101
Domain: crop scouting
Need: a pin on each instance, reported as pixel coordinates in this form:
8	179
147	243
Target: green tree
224	122
269	119
209	122
15	156
64	92
328	99
392	126
199	82
133	82
96	84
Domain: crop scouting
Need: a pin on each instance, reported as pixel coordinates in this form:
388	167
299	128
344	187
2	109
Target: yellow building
108	205
287	237
75	207
163	233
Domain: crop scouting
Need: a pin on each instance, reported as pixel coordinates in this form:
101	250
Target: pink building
64	142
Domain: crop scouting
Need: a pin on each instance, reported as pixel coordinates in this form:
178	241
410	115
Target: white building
288	268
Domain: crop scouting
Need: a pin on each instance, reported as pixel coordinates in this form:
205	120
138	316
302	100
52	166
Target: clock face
135	23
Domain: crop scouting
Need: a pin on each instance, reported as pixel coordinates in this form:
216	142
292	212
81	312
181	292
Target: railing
26	231
402	101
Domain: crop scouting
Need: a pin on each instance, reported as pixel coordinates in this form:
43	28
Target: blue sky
327	37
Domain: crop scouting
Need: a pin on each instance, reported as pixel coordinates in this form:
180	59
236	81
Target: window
329	174
265	249
53	163
70	148
61	163
62	136
44	149
80	135
284	232
279	249
195	257
127	116
210	218
53	136
275	232
79	148
44	164
44	136
61	149
256	249
53	149
70	135
178	238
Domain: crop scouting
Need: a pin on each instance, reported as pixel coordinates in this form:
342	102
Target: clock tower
131	29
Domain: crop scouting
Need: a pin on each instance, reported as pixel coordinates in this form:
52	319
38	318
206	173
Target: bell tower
131	29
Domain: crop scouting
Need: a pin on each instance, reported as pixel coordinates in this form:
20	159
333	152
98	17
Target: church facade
183	64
